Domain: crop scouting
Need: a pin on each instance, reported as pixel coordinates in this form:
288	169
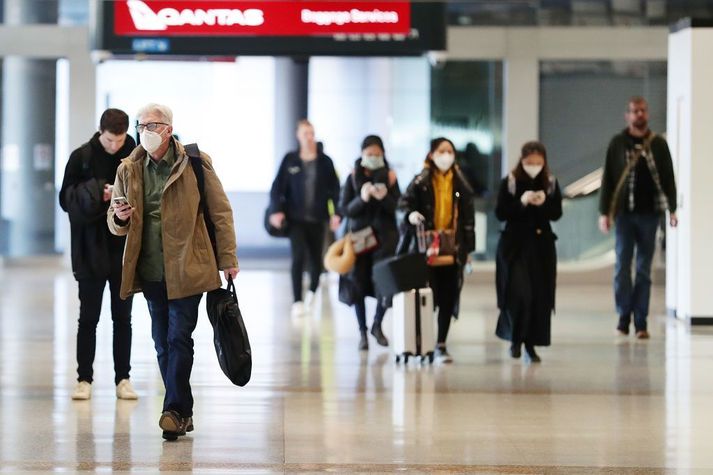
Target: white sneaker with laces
124	390
83	391
298	309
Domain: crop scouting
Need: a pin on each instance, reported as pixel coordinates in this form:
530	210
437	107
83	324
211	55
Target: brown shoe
172	424
642	335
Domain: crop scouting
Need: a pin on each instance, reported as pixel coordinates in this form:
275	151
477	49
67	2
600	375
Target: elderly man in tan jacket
168	256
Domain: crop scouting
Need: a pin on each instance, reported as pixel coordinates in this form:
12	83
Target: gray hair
163	111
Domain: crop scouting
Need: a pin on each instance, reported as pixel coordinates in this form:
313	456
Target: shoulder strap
86	153
194	154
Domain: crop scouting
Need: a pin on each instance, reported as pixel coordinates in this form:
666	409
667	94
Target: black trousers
445	286
91	292
306	243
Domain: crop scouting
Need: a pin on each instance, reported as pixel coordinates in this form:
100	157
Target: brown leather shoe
172	424
642	335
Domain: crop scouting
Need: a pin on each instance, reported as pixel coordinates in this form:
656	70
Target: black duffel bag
229	334
400	273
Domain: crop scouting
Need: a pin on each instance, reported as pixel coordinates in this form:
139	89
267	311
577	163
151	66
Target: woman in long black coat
369	198
526	271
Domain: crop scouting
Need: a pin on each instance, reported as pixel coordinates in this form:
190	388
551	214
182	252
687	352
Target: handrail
588	184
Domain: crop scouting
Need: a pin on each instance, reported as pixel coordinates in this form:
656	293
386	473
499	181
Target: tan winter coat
189	262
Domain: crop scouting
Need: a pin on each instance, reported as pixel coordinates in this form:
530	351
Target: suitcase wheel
431	357
407	355
398	359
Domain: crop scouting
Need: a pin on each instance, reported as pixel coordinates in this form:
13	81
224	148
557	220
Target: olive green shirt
150	265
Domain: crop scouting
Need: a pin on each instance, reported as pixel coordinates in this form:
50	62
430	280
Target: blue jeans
172	325
634	231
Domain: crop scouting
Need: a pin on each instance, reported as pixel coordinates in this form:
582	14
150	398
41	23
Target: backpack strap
85	152
194	155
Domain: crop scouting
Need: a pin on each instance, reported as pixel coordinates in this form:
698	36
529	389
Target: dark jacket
380	215
527	241
94	249
615	165
288	190
419	197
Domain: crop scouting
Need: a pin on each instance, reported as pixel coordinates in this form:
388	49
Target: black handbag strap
231	289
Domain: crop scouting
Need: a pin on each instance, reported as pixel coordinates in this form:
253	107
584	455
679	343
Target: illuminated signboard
220	27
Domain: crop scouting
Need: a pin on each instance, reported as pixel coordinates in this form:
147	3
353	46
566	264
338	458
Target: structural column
28	139
689	255
521	95
291	90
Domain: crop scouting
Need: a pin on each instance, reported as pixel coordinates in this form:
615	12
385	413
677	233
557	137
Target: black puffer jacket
419	196
380	215
94	249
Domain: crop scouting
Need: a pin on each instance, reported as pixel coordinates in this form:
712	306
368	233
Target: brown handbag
440	247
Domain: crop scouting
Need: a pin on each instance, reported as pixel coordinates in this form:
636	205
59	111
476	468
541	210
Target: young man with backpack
96	253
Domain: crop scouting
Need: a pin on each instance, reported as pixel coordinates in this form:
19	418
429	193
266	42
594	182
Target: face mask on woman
532	170
372	162
444	161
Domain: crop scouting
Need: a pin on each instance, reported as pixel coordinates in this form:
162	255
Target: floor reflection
315	403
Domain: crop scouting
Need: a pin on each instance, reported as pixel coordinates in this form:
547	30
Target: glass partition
467	107
582	107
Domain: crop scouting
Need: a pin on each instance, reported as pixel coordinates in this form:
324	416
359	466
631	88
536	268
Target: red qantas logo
146	19
227	18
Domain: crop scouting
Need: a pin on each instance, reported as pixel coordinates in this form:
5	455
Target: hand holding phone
122	209
379	191
107	191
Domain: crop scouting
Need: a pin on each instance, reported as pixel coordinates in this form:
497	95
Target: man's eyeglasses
151	126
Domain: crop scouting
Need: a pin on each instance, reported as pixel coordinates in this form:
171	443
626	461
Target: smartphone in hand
120	201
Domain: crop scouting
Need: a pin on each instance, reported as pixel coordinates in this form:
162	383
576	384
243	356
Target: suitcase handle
417	298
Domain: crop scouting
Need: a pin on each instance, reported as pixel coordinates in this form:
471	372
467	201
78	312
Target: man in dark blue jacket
96	253
301	193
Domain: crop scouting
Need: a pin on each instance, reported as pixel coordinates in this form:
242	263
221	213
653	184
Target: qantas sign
280	18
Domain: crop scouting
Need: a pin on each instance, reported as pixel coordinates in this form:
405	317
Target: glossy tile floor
597	404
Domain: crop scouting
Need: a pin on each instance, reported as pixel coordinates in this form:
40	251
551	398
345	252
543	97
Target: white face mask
532	170
372	162
444	161
151	141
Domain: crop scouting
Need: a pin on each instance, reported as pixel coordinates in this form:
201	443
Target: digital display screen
296	28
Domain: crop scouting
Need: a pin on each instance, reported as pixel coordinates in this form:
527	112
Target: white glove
526	197
366	192
416	218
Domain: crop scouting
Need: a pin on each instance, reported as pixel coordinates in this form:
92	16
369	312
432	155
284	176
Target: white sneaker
83	391
124	390
298	309
309	299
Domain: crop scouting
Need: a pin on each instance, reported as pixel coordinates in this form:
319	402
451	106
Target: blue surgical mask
372	162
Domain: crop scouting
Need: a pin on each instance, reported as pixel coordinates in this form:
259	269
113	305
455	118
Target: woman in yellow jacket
437	197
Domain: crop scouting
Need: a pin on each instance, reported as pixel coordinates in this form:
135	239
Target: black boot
530	350
515	350
378	334
363	342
